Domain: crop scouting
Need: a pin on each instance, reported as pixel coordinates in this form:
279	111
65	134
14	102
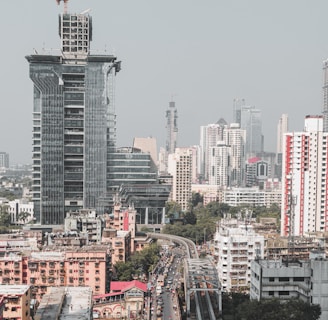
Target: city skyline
202	56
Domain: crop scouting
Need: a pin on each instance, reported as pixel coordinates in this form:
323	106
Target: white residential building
235	137
209	136
21	211
254	197
223	155
236	244
219	165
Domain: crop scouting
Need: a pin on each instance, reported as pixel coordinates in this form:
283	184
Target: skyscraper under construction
74	125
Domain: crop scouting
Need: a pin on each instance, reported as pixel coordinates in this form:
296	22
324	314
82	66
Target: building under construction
74	122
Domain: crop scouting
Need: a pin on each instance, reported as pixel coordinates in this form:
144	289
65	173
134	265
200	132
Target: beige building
125	301
18	298
210	192
180	167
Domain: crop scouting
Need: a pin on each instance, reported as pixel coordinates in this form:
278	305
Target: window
271	293
283	279
298	279
271	279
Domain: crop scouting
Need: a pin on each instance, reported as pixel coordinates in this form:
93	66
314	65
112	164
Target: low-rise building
66	303
88	266
21	211
125	301
252	197
17	301
87	222
302	279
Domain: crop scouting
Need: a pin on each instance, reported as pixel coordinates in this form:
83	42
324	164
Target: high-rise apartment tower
304	180
74	124
325	96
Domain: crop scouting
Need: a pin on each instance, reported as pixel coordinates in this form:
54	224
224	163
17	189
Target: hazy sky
203	54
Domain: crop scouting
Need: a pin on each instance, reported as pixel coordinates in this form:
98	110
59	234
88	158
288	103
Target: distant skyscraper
251	122
171	128
237	104
281	130
235	137
74	123
226	158
209	136
4	160
304	180
171	137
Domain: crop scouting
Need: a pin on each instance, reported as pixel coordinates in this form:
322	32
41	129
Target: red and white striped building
304	205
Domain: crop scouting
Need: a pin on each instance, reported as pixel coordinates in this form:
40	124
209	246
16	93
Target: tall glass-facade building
74	124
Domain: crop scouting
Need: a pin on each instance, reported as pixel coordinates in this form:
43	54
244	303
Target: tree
275	309
190	218
5	218
217	209
123	270
138	264
172	208
23	216
196	199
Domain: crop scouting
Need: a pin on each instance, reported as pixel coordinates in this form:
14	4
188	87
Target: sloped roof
123	286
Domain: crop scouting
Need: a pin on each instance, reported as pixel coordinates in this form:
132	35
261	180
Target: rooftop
8	290
66	302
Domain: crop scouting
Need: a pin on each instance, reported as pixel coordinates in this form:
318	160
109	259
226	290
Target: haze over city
202	55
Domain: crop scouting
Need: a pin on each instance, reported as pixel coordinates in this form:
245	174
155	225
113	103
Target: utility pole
291	234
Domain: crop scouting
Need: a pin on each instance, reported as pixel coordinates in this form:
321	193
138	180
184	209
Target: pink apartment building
87	266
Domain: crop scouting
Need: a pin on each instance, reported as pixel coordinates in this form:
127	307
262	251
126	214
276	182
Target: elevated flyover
201	282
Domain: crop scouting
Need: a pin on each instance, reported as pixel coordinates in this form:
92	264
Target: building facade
253	197
220	165
74	129
88	266
180	167
209	136
251	121
235	246
130	166
21	211
305	280
4	160
17	301
304	180
325	96
171	136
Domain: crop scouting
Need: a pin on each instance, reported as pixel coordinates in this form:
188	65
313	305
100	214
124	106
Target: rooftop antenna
65	4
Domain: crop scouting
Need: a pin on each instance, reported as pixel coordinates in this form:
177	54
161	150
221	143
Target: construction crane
65	4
